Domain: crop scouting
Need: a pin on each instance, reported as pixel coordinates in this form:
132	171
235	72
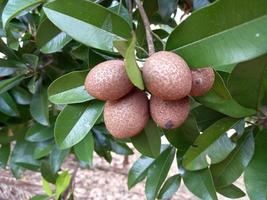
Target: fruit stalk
149	37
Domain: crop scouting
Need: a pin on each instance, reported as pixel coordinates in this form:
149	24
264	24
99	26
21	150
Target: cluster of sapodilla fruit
169	82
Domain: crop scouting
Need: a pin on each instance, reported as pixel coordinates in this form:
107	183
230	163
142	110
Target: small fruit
108	80
127	116
169	114
167	76
202	81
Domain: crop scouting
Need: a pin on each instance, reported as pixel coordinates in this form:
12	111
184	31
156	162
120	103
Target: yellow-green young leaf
49	38
15	7
98	28
69	89
200	183
216	39
46	187
132	68
62	183
75	121
213	143
148	142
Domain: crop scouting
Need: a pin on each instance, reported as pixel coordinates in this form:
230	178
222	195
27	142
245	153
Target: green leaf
69	89
47	172
40	197
231	191
15	7
98	28
4	154
121	46
49	38
8	106
8	84
123	12
84	149
255	174
157	173
139	170
170	187
219	99
46	187
39	133
57	157
205	116
184	136
215	43
213	142
247	78
75	122
39	107
42	149
8	67
62	183
200	183
120	148
148	142
230	169
132	67
21	96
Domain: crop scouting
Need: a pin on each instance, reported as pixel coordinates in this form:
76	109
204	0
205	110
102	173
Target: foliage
48	47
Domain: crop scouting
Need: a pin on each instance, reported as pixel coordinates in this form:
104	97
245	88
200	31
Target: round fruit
202	81
108	80
169	114
167	76
127	116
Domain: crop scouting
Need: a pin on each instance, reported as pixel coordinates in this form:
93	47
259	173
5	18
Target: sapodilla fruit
202	81
166	75
108	81
169	114
127	116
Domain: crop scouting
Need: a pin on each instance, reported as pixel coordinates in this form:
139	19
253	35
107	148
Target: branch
149	38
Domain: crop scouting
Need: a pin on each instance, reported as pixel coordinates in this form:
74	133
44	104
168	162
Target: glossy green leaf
8	67
121	46
132	67
84	149
231	191
158	172
57	157
247	78
139	170
120	148
215	43
75	122
15	7
42	149
49	38
4	154
62	183
255	174
39	107
8	84
21	96
205	116
98	28
47	172
39	133
69	89
200	183
123	12
230	169
148	142
184	136
6	50
213	142
8	106
169	188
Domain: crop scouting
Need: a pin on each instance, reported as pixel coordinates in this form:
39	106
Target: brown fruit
202	81
169	114
127	116
108	80
167	76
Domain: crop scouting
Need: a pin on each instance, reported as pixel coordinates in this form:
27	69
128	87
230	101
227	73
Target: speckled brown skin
108	81
167	76
202	81
127	116
169	114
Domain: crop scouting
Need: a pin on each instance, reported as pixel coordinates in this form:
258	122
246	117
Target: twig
149	37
